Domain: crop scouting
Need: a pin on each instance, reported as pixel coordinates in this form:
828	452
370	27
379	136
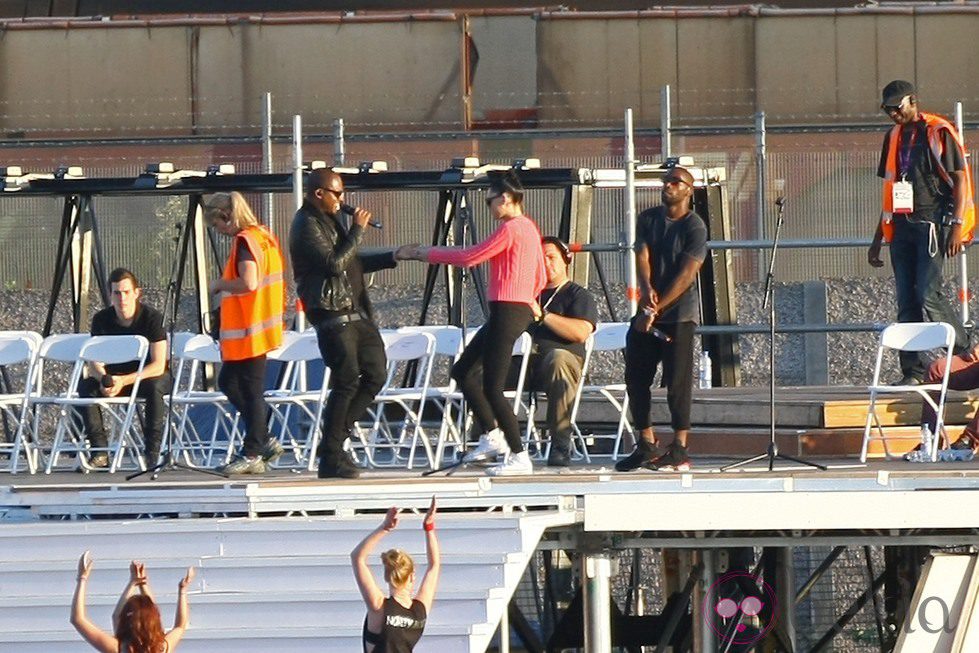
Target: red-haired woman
394	623
136	620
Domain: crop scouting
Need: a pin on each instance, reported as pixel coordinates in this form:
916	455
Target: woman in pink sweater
515	280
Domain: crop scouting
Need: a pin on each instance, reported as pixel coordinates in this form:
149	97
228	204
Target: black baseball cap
896	91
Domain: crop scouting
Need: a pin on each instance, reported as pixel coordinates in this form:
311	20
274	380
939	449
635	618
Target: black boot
645	452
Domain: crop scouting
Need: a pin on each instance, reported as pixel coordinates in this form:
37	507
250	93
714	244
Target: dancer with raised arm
394	623
136	623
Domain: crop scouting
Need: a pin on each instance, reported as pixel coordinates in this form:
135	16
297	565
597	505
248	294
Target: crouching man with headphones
568	315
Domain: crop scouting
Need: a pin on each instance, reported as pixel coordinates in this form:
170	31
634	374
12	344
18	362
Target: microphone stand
171	304
772	454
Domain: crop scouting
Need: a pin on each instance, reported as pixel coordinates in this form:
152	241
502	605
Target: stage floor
880	502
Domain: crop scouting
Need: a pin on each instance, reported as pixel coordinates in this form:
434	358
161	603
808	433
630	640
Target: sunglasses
894	108
490	198
336	193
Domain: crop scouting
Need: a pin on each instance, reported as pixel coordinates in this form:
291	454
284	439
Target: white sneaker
490	446
516	464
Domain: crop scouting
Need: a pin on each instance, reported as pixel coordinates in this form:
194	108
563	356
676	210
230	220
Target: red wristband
429	526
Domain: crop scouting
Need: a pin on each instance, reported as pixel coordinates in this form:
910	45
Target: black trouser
354	352
489	352
643	352
244	383
919	283
152	390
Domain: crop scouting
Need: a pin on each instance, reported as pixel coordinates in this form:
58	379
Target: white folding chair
448	346
202	420
398	408
296	405
525	404
18	360
912	337
55	361
120	411
609	338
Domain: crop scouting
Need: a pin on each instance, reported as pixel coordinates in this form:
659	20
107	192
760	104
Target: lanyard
904	153
553	295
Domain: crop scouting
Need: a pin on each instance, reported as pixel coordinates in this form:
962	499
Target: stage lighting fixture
220	169
314	165
526	164
466	162
372	166
163	167
65	172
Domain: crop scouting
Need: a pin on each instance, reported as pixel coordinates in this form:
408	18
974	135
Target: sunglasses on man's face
336	193
894	108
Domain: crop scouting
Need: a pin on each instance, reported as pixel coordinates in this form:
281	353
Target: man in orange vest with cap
928	213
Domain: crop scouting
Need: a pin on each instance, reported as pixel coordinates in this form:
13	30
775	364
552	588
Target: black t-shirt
671	243
148	322
930	190
570	300
402	628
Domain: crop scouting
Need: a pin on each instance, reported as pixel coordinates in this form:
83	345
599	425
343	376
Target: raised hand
430	516
137	573
84	565
390	519
187	579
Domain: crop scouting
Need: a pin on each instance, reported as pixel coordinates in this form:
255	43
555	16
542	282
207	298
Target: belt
341	319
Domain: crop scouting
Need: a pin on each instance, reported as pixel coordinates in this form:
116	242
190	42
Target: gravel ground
851	355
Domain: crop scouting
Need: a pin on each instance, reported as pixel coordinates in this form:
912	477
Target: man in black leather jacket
329	273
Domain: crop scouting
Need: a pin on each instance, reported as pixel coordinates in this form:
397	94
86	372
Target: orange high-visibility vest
934	126
251	322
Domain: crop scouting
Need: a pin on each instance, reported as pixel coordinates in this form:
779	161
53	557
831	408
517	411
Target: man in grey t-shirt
671	247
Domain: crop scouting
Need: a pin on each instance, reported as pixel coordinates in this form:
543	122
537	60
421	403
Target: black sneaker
965	442
341	468
558	458
674	460
272	450
643	454
909	380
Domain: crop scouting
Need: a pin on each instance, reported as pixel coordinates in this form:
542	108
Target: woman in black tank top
394	623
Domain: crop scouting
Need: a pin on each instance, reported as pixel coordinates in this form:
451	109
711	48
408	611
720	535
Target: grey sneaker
98	460
245	465
272	450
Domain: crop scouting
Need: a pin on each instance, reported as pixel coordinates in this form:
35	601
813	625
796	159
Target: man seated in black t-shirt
128	316
568	316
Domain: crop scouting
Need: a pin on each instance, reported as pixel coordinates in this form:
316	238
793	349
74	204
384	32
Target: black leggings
244	383
489	352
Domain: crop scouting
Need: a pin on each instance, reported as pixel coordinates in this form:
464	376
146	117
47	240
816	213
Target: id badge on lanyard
902	197
902	193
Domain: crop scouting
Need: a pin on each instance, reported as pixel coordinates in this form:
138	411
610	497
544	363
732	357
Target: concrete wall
573	70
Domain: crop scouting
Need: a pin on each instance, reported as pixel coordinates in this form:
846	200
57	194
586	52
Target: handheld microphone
350	210
665	337
106	381
780	202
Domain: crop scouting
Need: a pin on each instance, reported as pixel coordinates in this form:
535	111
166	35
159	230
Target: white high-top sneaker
516	464
490	446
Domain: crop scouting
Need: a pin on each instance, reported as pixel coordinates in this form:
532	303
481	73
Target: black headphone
560	244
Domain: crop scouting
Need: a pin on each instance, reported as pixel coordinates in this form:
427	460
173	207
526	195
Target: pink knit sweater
515	256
